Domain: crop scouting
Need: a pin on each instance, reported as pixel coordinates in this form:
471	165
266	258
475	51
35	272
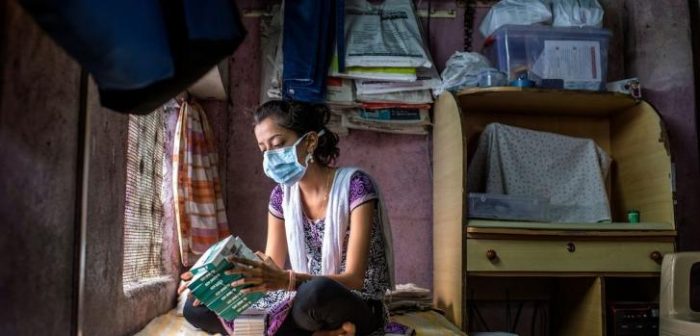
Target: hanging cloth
199	206
569	172
141	52
312	29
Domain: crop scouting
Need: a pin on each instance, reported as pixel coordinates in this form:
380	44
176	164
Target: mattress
424	323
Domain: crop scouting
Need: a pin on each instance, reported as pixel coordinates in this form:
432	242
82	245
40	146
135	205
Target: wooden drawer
564	256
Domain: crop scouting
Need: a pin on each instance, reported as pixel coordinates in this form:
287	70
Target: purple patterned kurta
376	281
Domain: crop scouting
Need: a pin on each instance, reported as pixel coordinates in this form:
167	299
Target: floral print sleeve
361	190
275	206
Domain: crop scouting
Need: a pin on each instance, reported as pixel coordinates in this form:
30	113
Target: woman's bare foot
347	329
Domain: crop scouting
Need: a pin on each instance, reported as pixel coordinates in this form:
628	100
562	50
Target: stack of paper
406	97
250	323
387	68
335	124
409	297
426	79
389	120
386	73
340	91
391	69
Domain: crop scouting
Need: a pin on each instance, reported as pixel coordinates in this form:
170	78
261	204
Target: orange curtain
199	207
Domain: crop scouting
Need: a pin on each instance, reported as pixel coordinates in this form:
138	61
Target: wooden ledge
516	100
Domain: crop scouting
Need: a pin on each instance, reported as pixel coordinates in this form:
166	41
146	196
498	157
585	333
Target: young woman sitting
331	224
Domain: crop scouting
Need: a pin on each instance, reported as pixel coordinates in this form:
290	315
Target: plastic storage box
578	56
508	207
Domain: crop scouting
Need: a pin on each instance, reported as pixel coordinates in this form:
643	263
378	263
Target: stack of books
388	70
409	298
391	70
394	119
212	286
250	323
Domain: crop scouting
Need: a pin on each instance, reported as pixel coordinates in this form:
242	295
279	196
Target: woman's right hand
186	277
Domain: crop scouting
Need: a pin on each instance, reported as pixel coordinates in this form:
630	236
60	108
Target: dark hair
302	118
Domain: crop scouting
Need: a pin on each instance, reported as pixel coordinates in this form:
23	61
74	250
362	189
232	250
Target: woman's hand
186	277
258	276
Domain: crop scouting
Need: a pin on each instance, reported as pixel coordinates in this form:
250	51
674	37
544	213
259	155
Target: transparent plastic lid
549	30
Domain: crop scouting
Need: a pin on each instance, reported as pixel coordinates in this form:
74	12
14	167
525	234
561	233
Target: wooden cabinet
567	264
568	255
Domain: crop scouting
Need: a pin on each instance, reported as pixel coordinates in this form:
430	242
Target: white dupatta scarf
336	224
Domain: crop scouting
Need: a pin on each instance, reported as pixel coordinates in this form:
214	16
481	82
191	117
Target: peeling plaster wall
659	52
39	111
38	157
108	309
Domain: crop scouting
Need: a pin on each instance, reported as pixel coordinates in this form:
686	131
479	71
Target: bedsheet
427	323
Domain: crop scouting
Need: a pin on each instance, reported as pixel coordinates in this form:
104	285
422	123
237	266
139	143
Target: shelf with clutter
579	255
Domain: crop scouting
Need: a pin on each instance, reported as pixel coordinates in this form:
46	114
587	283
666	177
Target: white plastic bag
462	70
383	34
519	12
577	13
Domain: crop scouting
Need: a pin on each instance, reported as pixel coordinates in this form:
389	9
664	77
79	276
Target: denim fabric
310	31
142	52
123	44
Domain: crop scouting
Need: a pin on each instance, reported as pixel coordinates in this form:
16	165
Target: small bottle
523	81
633	216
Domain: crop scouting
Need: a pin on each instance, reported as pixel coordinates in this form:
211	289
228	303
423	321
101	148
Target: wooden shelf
506	229
579	255
482	224
543	101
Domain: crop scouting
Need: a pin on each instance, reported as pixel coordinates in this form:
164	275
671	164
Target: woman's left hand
258	276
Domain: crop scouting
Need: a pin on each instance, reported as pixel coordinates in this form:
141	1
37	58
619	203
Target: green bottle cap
633	216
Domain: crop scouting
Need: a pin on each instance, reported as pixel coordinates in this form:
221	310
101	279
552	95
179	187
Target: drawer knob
491	255
656	256
571	247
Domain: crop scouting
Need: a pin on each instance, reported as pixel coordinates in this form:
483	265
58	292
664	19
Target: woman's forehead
268	128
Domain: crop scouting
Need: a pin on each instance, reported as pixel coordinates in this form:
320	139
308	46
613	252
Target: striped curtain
199	206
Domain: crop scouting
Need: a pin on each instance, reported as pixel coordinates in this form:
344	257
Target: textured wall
39	146
108	309
38	151
659	51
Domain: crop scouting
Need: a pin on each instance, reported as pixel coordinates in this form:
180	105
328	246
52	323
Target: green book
211	285
223	294
205	292
200	279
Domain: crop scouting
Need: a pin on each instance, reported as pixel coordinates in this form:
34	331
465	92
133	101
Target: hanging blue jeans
311	29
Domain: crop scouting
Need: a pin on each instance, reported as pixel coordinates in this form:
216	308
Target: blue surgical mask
282	165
